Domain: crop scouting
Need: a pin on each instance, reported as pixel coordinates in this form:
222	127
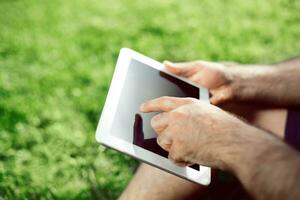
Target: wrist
243	139
247	83
254	148
238	147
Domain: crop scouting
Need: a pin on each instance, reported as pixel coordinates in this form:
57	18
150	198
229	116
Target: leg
152	183
155	184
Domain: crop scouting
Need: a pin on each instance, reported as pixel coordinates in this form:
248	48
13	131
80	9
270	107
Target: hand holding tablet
138	79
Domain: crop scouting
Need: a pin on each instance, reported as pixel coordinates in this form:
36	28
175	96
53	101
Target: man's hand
196	132
214	76
275	85
193	131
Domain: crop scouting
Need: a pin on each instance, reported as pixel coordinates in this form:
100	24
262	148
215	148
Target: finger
165	104
182	69
201	79
179	162
164	141
160	122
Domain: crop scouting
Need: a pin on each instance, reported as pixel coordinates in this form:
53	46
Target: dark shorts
292	128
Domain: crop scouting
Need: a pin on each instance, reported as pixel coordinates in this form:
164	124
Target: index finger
165	104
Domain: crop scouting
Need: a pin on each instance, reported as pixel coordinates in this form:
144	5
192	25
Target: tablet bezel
109	110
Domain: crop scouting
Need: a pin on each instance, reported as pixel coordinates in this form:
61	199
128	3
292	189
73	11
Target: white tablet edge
102	134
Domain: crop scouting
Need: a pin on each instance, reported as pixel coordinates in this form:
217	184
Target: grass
56	62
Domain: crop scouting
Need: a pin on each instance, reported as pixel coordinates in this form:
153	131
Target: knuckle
153	121
179	114
158	140
191	100
163	142
165	98
175	156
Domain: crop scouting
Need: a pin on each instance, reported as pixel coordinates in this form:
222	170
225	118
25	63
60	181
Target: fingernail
166	62
142	107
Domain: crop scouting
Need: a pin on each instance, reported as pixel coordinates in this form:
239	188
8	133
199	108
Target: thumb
184	69
221	95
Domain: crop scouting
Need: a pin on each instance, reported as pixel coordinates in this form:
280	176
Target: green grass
56	62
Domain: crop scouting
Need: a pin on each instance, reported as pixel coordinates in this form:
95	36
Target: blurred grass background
56	62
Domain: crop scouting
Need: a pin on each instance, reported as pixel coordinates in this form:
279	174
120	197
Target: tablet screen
143	83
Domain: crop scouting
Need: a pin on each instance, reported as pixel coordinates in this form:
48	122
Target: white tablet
123	127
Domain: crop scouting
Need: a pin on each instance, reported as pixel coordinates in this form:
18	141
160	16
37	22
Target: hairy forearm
277	85
277	177
268	168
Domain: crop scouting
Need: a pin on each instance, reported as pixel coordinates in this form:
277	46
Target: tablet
124	128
